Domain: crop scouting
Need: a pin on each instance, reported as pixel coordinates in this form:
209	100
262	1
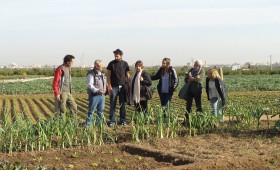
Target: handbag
183	93
149	92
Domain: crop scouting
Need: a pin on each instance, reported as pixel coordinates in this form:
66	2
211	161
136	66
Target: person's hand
141	78
109	89
100	91
191	78
223	102
198	76
57	97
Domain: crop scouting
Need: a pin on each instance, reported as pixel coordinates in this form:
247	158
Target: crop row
232	82
27	122
41	107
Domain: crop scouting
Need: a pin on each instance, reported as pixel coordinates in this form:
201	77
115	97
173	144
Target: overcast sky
215	31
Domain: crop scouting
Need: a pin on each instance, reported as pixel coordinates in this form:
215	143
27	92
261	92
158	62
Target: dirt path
24	80
264	117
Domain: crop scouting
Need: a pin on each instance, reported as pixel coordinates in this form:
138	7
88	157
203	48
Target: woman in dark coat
140	81
168	81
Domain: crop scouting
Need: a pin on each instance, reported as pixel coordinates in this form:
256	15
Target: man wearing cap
118	79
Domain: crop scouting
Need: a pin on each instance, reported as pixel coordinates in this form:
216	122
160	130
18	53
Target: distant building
235	66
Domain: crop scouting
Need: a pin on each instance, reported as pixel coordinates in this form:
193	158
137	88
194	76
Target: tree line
82	72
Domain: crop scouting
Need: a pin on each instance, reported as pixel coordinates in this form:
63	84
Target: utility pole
82	60
270	62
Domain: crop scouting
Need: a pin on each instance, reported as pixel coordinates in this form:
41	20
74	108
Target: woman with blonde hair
216	92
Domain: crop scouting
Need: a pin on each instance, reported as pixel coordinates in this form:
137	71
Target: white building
235	66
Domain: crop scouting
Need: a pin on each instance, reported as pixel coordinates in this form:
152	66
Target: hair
140	63
118	51
68	58
97	63
199	62
214	74
167	60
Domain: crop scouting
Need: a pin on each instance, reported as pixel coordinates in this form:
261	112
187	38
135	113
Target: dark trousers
197	98
142	106
117	91
165	98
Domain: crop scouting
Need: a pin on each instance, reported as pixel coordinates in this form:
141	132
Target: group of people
215	89
132	89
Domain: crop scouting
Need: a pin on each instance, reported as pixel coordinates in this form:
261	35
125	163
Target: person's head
98	65
139	66
209	73
198	64
118	54
68	60
215	74
165	63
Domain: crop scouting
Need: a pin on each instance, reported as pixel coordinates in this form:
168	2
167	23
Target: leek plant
158	122
202	122
65	131
258	113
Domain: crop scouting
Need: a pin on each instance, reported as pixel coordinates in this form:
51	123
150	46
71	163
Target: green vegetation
82	72
27	125
23	135
232	82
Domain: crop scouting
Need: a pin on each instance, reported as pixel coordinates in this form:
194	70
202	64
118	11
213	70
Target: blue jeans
165	98
216	106
121	92
95	103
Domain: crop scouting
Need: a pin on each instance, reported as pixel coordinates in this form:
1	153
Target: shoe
185	123
123	123
111	124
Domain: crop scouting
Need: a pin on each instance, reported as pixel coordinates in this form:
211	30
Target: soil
236	150
24	80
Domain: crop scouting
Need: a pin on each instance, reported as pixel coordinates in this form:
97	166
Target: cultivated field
248	139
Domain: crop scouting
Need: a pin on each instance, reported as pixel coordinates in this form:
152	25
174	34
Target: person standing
216	92
168	81
118	85
62	87
140	81
96	89
195	76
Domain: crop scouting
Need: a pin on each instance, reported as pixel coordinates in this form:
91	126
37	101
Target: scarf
135	84
196	72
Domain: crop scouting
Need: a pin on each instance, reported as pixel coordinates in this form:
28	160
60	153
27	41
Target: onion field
233	82
41	106
27	122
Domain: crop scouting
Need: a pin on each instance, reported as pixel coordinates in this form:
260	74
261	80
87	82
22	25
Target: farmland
233	83
242	141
